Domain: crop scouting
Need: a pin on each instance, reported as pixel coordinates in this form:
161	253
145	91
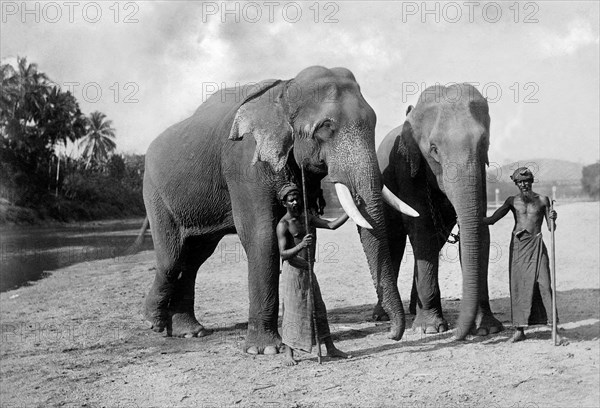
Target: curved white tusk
396	203
349	207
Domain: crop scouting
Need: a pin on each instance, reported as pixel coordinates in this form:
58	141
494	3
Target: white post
497	197
57	176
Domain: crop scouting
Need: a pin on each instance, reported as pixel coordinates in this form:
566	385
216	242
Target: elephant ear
263	115
408	148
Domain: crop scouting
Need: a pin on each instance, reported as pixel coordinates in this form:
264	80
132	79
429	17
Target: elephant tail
139	241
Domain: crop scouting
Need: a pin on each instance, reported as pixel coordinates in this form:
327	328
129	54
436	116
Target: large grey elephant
435	162
218	172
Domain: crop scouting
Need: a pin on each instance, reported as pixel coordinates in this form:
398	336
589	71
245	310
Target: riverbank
76	338
31	252
71	213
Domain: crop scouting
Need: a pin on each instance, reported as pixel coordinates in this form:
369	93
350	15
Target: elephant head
449	129
321	121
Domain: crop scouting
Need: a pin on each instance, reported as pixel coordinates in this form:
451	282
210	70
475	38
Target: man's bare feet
519	335
289	357
561	341
333	352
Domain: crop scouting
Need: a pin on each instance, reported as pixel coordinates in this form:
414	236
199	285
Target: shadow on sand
578	309
579	312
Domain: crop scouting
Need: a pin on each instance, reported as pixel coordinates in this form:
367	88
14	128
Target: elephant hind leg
485	321
167	248
429	318
170	302
171	298
195	251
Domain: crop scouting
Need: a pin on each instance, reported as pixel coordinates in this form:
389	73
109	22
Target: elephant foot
396	331
263	343
380	315
184	324
157	319
398	325
158	325
156	307
486	323
429	323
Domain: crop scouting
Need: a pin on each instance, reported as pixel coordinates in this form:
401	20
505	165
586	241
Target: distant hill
563	174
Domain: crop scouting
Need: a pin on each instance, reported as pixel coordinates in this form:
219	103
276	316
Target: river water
29	253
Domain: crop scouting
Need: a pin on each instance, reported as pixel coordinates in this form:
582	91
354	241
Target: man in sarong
530	288
294	238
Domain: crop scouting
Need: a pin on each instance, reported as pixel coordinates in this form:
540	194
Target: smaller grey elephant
435	162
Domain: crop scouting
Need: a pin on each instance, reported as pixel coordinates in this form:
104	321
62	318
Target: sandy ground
76	338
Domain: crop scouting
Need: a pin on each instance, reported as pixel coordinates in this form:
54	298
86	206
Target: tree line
38	179
590	180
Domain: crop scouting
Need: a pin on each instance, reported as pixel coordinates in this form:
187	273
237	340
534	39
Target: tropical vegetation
38	179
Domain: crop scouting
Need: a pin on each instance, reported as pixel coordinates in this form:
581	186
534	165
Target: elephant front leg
429	317
263	286
255	215
485	321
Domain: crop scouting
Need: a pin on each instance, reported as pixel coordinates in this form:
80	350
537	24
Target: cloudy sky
155	62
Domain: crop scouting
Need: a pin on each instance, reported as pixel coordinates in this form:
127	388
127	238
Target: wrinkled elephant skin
435	162
219	171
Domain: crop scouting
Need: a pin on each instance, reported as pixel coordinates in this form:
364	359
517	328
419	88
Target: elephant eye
433	152
328	124
326	129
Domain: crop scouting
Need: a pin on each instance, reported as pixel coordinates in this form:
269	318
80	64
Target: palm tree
34	82
24	91
98	141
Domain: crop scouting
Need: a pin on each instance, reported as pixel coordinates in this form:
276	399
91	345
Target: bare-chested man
530	290
293	241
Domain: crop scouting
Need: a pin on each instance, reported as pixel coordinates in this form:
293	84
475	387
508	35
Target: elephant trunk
376	247
468	198
363	178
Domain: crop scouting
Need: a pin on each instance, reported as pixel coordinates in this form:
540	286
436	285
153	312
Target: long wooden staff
310	269
553	267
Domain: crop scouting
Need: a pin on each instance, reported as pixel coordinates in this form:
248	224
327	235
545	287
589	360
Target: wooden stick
553	269
310	268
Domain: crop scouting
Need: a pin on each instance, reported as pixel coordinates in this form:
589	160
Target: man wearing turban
294	238
530	289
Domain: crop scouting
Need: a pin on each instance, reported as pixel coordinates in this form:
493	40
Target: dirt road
76	338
